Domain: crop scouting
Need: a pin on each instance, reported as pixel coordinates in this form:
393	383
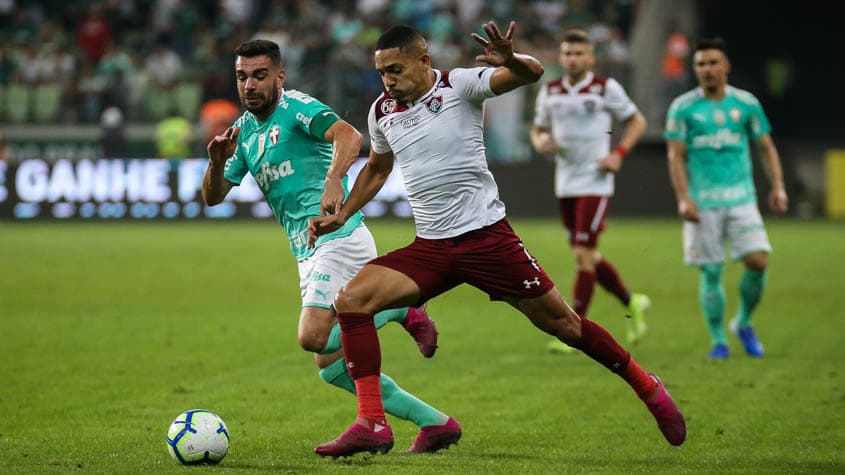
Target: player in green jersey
707	135
290	142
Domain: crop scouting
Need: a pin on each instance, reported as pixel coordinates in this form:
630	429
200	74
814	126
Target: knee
348	300
313	342
585	258
757	261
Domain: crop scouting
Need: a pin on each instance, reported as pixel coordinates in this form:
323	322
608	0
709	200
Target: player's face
576	58
259	84
711	68
405	76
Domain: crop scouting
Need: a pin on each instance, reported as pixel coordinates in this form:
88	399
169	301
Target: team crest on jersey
735	114
274	134
434	104
719	117
590	106
388	106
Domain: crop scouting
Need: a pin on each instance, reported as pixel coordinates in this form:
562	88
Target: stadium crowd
67	62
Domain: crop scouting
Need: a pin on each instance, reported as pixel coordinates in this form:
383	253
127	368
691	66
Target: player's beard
267	104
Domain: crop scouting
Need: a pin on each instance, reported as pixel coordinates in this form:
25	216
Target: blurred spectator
216	116
93	33
674	73
163	66
89	91
112	134
173	137
4	151
8	65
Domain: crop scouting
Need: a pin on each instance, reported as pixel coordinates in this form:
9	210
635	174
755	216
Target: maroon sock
600	345
608	277
360	344
582	291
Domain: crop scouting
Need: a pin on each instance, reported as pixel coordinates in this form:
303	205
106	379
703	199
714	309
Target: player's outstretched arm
676	152
220	148
778	200
513	69
368	183
346	147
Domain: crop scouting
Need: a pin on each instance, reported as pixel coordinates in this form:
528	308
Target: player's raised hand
222	146
498	48
323	225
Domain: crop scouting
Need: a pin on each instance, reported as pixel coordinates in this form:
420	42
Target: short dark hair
711	43
400	36
576	35
253	48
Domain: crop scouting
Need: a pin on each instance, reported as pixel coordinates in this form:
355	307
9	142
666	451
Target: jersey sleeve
310	116
473	84
378	142
617	101
541	111
236	168
676	126
758	124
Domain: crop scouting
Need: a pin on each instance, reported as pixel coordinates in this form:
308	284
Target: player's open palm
498	48
222	146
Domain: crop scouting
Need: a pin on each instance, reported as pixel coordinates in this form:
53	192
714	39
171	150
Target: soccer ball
196	437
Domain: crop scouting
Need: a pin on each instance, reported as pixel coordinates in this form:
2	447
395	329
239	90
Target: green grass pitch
109	331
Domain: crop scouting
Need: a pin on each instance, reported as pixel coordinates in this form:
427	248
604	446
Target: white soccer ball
198	437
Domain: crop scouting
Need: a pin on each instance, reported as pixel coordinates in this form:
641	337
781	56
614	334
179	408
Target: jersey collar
580	85
428	93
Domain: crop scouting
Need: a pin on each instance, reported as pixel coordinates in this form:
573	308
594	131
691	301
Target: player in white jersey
430	122
573	120
295	136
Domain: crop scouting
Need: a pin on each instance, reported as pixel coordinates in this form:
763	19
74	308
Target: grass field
108	331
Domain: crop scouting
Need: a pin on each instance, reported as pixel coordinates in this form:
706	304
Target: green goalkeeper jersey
288	156
716	134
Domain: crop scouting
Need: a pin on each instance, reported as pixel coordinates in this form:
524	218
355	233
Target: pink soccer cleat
356	439
434	438
665	411
422	328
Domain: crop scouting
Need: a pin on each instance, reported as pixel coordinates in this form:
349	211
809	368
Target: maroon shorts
583	218
492	258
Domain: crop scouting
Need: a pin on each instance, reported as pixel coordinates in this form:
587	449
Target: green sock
391	315
396	400
711	293
751	287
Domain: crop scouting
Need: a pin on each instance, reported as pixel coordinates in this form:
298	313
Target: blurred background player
287	140
430	122
707	132
573	120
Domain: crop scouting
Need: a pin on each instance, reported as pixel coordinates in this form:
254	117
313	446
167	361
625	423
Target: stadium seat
159	103
17	103
47	102
187	97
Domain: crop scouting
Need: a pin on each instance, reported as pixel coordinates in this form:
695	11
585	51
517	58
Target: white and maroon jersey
438	141
580	118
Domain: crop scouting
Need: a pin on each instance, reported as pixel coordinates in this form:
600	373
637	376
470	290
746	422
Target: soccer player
707	132
430	122
290	142
572	120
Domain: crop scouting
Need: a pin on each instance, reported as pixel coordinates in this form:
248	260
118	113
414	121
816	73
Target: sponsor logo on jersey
719	117
388	106
319	276
410	122
302	118
434	104
530	283
270	173
261	139
718	140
